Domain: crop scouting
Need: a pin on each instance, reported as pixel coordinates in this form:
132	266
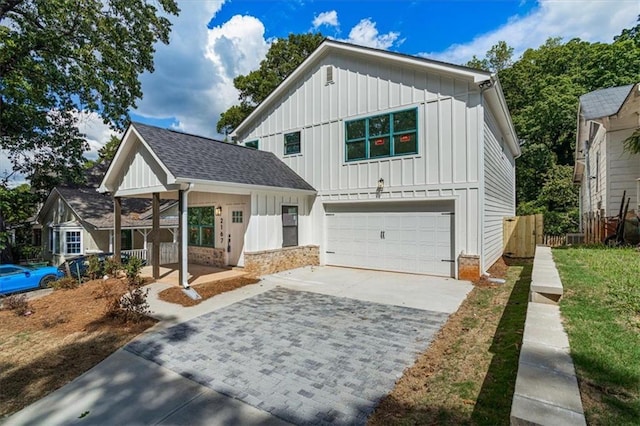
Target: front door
236	216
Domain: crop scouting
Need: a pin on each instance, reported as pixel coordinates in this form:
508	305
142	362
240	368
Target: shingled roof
97	209
192	157
603	102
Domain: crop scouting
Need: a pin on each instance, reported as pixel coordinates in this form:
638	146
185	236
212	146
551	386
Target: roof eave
240	188
495	98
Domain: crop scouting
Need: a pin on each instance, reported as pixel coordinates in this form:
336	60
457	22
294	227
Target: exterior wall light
380	184
218	211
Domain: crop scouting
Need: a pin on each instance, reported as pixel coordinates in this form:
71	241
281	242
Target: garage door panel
398	241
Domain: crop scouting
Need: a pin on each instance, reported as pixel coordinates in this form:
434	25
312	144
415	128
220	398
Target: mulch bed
205	290
64	334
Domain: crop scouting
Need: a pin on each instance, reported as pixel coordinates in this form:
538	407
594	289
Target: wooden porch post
156	235
183	258
117	225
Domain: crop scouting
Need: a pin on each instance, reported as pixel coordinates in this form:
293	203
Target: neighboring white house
603	169
413	159
365	158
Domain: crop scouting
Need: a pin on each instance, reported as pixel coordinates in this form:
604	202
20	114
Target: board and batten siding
141	170
264	230
446	167
499	189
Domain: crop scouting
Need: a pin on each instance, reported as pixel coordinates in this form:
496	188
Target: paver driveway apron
305	357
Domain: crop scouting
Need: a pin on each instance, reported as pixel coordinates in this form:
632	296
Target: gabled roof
495	96
603	102
191	158
97	209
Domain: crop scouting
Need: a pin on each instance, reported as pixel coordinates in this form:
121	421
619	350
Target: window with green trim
292	143
251	144
385	135
201	226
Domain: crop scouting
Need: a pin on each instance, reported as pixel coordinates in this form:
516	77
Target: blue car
17	278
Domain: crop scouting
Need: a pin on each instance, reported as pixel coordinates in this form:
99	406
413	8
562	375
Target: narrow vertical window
289	226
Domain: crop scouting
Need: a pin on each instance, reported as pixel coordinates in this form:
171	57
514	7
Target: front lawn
601	310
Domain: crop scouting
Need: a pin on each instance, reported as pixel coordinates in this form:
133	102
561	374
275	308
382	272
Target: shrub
65	283
133	305
95	268
17	303
111	267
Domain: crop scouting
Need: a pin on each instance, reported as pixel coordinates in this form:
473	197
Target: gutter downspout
183	201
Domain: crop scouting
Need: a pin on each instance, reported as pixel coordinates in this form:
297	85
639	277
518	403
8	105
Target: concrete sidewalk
126	389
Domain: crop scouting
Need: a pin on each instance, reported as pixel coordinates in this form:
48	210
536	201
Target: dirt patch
468	373
65	334
205	290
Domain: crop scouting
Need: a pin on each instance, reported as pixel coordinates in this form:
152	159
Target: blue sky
212	41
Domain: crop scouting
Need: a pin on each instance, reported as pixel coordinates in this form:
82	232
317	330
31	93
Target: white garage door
417	242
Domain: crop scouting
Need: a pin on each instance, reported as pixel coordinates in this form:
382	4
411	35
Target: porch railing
139	253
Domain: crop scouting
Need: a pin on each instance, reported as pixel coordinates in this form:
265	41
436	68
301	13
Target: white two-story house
360	158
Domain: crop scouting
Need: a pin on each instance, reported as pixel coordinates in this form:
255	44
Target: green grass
601	308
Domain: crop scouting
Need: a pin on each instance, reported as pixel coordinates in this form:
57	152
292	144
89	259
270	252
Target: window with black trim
201	226
289	226
251	144
292	143
385	135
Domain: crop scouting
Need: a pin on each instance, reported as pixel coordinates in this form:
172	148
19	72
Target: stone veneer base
207	256
272	261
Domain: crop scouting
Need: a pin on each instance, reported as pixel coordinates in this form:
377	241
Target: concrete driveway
309	346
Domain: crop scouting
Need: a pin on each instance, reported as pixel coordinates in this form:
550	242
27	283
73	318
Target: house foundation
272	261
468	267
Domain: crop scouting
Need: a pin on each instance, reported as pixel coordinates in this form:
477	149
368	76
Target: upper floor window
292	143
251	144
385	135
201	226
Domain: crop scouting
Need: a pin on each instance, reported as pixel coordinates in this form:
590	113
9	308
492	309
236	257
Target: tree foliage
106	153
58	57
497	58
542	89
284	56
16	205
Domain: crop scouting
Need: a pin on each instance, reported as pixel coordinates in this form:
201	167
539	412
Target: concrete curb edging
546	391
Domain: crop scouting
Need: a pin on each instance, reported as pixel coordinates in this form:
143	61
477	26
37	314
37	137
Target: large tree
284	56
58	57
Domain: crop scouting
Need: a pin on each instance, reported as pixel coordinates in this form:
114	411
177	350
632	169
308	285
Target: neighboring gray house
607	117
365	158
77	220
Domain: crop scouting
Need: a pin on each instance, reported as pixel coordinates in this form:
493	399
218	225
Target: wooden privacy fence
597	227
168	253
521	234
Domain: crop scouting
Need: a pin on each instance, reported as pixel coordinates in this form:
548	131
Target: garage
403	237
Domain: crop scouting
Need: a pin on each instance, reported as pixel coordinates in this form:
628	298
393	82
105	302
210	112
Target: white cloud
329	18
587	20
96	132
365	33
